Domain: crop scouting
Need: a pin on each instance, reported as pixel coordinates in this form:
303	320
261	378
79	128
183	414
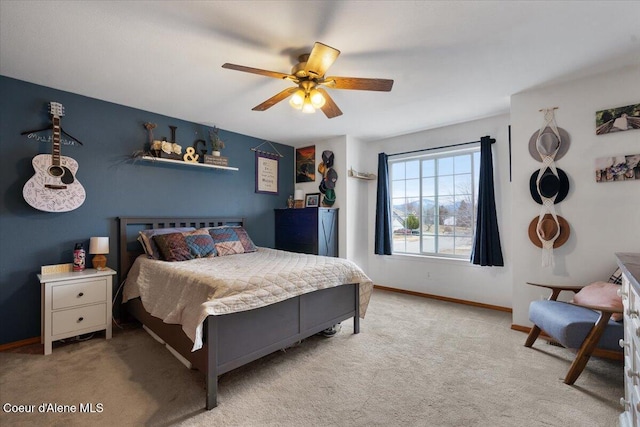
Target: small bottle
78	258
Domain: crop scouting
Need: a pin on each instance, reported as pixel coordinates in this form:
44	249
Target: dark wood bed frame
235	339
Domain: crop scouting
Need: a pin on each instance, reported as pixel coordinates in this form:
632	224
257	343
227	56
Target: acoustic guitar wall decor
54	187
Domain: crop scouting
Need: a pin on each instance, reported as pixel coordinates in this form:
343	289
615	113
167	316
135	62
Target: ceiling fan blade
330	109
320	59
356	83
275	99
267	73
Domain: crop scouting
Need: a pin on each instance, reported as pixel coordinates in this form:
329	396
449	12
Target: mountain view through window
433	203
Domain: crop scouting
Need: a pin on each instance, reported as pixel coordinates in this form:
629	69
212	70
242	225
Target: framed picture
618	119
312	200
306	164
266	173
618	168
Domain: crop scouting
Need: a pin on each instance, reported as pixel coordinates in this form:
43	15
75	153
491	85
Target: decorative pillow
200	243
229	240
603	294
144	245
150	247
616	277
185	246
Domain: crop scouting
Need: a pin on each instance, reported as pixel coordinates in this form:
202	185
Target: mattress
187	292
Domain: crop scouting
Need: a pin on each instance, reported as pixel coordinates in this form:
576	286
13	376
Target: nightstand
75	303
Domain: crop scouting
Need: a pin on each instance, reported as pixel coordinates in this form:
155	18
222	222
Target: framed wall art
618	168
266	173
306	164
618	119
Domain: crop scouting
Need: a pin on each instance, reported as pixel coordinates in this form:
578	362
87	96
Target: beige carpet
416	362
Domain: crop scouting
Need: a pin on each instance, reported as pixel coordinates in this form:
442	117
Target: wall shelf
362	175
181	162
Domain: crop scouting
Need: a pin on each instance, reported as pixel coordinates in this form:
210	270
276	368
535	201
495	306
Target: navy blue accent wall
115	184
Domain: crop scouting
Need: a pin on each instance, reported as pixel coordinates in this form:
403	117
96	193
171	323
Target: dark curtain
383	208
486	248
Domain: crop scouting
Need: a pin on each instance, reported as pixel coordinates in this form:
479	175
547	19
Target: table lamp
99	246
298	198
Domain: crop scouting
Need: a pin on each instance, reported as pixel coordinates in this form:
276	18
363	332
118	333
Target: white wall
351	196
437	276
339	147
604	217
358	215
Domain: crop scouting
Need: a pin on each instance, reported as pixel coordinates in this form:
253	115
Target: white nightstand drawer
78	318
75	294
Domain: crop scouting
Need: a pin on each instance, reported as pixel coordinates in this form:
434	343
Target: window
433	203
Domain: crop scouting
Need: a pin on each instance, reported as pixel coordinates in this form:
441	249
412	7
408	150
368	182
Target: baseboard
598	352
21	343
447	299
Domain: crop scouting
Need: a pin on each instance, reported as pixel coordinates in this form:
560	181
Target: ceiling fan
308	75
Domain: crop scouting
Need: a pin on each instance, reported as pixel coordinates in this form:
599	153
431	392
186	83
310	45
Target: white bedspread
187	292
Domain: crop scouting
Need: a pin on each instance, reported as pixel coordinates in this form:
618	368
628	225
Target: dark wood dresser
308	230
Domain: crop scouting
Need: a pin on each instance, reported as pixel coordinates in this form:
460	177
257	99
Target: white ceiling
452	61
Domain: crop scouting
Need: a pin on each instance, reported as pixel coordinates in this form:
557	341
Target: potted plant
216	143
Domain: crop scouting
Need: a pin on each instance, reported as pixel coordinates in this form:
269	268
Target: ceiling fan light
297	99
317	100
307	107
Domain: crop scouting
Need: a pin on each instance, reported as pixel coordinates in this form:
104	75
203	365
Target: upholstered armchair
584	324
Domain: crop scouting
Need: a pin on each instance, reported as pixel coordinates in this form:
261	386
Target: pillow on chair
602	294
616	277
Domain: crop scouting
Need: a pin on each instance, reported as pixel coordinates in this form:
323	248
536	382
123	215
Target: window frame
474	153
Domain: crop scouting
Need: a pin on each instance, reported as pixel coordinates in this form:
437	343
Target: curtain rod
438	148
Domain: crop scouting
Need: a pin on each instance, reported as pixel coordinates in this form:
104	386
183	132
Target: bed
231	334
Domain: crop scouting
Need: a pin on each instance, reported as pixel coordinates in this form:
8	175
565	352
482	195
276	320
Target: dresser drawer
633	370
78	318
635	406
75	294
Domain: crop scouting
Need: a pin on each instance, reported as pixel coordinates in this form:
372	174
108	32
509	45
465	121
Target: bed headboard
129	227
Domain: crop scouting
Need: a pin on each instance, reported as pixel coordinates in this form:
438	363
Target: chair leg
587	347
533	336
535	331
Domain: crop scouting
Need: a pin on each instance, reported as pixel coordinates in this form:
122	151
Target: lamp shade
299	194
99	245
